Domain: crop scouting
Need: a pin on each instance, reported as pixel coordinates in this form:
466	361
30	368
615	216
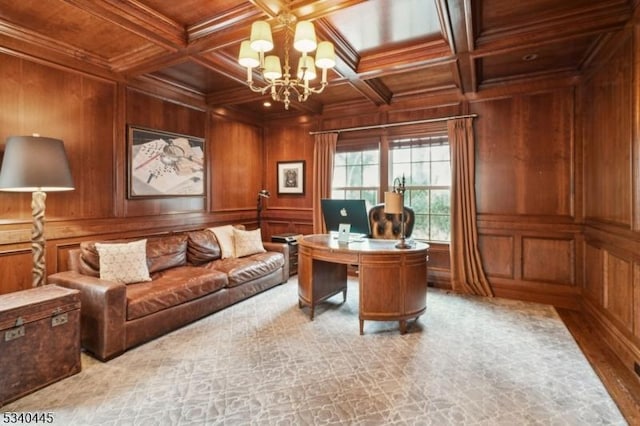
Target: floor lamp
263	193
37	165
394	204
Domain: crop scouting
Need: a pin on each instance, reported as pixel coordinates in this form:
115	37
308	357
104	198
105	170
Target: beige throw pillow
248	242
224	234
125	262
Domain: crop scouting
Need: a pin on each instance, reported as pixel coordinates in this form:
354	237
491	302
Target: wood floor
622	385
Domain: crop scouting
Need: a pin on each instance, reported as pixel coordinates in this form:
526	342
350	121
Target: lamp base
403	245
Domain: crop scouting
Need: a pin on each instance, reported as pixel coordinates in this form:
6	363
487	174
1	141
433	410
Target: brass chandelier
281	84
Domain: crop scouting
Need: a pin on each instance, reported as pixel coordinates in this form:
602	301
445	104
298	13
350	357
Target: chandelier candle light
283	85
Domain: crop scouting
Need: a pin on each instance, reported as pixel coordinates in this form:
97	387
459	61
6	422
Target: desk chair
388	226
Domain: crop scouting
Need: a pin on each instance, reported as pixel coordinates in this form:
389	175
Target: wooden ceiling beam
456	15
138	19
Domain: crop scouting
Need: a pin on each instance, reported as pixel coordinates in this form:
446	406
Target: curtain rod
384	126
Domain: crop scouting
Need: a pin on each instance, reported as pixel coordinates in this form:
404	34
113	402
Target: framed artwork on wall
164	164
291	177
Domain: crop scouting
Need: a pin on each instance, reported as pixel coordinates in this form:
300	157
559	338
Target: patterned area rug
467	361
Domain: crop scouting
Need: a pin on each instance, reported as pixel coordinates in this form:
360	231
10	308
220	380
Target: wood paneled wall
525	189
608	125
288	213
91	114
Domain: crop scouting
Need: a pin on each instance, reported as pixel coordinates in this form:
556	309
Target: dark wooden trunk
39	339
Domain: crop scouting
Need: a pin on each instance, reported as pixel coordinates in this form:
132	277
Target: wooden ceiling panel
509	13
556	57
431	78
195	77
385	48
191	12
62	22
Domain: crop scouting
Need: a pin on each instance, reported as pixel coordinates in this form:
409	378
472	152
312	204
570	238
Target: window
426	165
356	175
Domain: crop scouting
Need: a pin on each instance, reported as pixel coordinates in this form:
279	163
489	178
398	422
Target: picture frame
164	164
291	178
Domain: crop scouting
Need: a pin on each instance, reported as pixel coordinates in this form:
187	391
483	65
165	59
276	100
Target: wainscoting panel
593	278
548	260
618	288
500	263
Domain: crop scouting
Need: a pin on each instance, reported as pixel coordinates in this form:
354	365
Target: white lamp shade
248	57
272	68
304	39
325	56
393	203
33	163
261	38
310	72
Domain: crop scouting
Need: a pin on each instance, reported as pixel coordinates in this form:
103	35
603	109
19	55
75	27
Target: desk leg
403	326
361	327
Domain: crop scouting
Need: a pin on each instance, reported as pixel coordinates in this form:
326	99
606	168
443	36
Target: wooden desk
392	282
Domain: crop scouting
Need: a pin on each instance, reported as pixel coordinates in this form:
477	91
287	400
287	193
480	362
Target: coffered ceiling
387	49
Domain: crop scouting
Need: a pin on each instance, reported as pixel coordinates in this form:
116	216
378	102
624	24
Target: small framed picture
291	177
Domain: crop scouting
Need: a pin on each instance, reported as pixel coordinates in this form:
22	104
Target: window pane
441	173
371	197
402	155
420	174
397	170
339	176
371	175
370	157
421	228
340	159
355	176
352	194
338	194
440	152
440	228
354	157
440	201
421	153
418	200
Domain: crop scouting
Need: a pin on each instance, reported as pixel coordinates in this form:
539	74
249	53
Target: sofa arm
103	306
281	248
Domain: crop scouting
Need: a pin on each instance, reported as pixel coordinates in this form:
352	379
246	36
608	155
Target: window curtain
467	275
323	153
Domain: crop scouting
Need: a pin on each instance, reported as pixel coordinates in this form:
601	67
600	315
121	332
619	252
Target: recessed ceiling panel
374	23
60	21
420	80
196	77
566	56
190	12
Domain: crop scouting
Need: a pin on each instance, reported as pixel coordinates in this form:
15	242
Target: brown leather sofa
189	280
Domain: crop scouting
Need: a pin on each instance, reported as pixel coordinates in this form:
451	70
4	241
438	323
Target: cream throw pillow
224	235
124	262
248	242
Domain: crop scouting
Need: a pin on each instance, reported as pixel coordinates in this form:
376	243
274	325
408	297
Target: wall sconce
37	165
263	193
394	204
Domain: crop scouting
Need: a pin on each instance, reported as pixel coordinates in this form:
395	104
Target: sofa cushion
166	252
123	262
243	269
202	247
90	259
247	242
172	287
224	235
